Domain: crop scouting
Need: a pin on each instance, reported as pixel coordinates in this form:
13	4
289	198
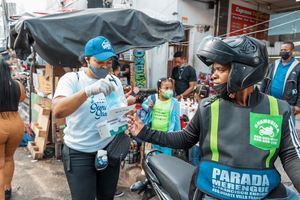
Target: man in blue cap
83	99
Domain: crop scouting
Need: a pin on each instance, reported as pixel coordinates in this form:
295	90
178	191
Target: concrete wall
156	66
159	9
198	15
197	37
53	5
76	4
197	12
29	6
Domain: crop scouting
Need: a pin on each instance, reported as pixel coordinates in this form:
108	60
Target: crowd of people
223	134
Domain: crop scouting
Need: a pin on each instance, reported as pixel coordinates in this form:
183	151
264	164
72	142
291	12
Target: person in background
12	93
127	89
184	75
116	69
164	112
283	78
125	72
84	98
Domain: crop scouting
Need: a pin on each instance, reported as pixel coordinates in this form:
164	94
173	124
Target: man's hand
101	86
179	97
135	125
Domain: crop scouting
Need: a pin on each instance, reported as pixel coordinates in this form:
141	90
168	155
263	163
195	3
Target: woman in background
11	126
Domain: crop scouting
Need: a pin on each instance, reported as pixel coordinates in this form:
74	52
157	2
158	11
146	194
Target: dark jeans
85	182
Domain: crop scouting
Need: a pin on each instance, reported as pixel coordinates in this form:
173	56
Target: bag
118	149
145	115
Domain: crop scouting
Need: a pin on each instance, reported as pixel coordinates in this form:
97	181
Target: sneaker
118	194
8	194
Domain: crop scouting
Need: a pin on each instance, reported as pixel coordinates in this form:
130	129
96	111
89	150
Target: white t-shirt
81	132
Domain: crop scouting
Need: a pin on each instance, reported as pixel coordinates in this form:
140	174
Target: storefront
271	21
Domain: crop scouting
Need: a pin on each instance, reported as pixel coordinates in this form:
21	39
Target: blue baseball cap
100	48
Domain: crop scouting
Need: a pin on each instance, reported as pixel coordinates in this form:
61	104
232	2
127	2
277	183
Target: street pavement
38	180
45	179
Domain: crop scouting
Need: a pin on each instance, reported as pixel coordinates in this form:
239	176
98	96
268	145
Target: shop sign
242	18
139	69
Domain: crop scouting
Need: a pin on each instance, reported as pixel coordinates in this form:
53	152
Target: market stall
59	40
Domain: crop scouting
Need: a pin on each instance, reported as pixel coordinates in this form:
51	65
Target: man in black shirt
125	72
184	75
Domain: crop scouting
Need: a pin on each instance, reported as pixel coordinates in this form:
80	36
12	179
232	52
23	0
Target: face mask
285	55
221	90
168	94
99	72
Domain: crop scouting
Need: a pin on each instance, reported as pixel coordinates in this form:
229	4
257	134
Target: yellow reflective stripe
274	110
271	154
214	130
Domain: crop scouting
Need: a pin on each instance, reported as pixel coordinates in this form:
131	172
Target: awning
60	38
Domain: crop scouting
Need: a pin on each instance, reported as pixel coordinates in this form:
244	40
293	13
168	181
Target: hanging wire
279	25
186	43
259	23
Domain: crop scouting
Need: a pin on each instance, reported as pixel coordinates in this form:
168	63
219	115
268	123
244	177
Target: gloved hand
101	86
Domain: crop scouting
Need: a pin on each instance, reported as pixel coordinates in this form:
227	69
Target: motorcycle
167	177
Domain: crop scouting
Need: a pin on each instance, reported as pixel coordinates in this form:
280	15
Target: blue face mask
99	72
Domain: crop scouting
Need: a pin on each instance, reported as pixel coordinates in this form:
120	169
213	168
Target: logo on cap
106	45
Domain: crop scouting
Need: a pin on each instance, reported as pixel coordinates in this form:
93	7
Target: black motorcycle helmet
247	57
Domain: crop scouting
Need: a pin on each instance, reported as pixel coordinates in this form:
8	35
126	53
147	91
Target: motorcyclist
241	131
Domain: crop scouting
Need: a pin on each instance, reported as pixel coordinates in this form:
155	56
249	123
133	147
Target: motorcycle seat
174	175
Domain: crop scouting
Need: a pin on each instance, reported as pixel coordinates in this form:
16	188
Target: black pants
85	182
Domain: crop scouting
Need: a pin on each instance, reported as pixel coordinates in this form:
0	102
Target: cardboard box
57	71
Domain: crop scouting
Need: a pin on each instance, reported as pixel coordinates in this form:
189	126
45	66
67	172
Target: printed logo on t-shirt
98	106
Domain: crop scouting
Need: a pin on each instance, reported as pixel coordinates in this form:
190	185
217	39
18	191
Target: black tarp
60	38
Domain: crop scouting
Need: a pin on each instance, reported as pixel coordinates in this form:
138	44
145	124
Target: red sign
242	20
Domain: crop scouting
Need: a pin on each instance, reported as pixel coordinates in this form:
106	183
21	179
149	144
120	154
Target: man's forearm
188	91
175	140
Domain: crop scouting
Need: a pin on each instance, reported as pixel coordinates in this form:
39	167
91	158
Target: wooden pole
31	89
